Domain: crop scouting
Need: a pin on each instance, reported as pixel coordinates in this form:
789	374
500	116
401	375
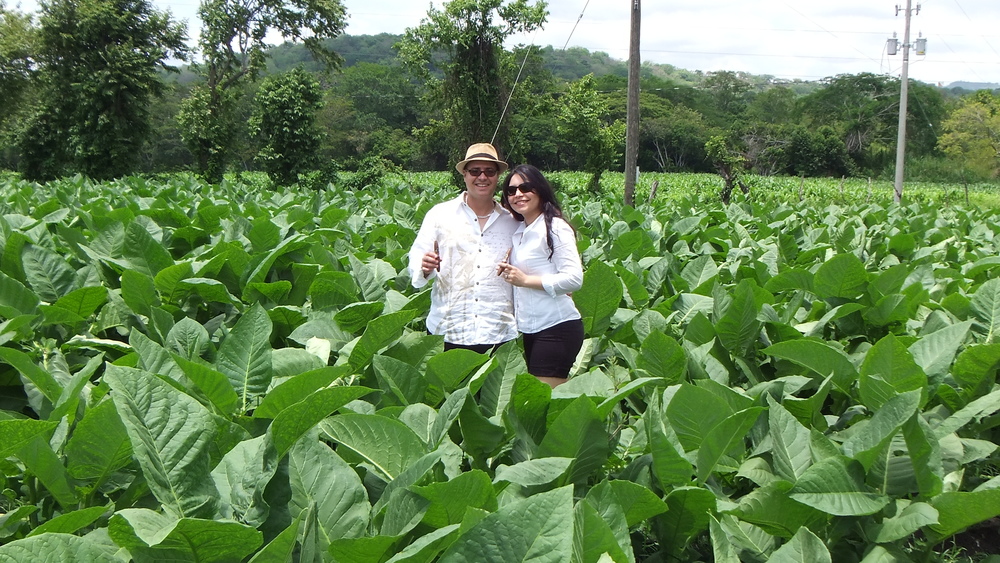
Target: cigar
438	252
506	258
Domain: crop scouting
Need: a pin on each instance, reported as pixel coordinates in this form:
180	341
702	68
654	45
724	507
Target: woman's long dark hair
546	195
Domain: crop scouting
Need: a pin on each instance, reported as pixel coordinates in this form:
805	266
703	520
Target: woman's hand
511	274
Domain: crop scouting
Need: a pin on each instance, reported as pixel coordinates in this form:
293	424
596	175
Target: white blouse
470	304
539	309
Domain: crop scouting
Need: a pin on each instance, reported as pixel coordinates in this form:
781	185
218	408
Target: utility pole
904	83
632	109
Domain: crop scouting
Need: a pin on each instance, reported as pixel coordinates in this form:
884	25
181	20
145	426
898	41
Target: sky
796	39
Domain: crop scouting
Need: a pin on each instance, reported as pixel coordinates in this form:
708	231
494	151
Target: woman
544	268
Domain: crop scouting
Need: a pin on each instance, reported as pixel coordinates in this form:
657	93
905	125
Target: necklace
487	216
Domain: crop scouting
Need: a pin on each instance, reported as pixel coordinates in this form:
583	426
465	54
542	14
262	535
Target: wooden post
632	109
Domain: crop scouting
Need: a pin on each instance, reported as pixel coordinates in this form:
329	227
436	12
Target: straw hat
483	152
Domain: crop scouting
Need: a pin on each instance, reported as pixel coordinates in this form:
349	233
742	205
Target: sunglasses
525	188
475	172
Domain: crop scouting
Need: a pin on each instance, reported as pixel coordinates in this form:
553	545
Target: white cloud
791	39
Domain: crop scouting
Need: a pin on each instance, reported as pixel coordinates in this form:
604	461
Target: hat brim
500	164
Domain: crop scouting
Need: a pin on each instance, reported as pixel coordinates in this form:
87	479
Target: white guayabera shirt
539	309
470	304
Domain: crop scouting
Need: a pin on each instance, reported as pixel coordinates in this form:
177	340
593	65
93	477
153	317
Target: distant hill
973	86
566	64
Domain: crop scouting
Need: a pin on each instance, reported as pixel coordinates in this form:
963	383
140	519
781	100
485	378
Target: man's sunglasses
475	172
525	188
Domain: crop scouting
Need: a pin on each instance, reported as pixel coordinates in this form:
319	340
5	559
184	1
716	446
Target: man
459	244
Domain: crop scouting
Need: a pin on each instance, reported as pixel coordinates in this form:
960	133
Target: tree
731	93
98	68
972	133
232	43
17	67
730	165
284	122
775	105
477	71
864	110
590	142
674	135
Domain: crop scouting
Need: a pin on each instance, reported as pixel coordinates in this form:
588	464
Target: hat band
481	154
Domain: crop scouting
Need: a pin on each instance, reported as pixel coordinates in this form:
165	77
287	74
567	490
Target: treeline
97	95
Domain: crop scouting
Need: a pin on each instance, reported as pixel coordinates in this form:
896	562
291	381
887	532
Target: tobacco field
234	372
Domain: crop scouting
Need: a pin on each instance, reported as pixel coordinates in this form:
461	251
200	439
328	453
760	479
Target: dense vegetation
415	100
198	372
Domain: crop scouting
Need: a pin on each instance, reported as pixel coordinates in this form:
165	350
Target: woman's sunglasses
525	188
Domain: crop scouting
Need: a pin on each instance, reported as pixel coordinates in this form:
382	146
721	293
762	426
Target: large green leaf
662	356
537	529
888	370
959	510
935	352
578	433
450	500
245	356
804	546
450	368
599	297
865	444
399	379
296	389
371	276
15	298
355	316
171	434
47	273
842	276
986	308
924	449
99	444
380	333
71	522
151	537
819	356
42	461
266	260
318	475
739	328
693	411
40	378
18	433
790	451
976	367
770	509
143	253
386	444
241	478
139	291
727	435
213	384
594	536
687	516
64	548
698	272
836	485
910	518
637	503
541	471
291	423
